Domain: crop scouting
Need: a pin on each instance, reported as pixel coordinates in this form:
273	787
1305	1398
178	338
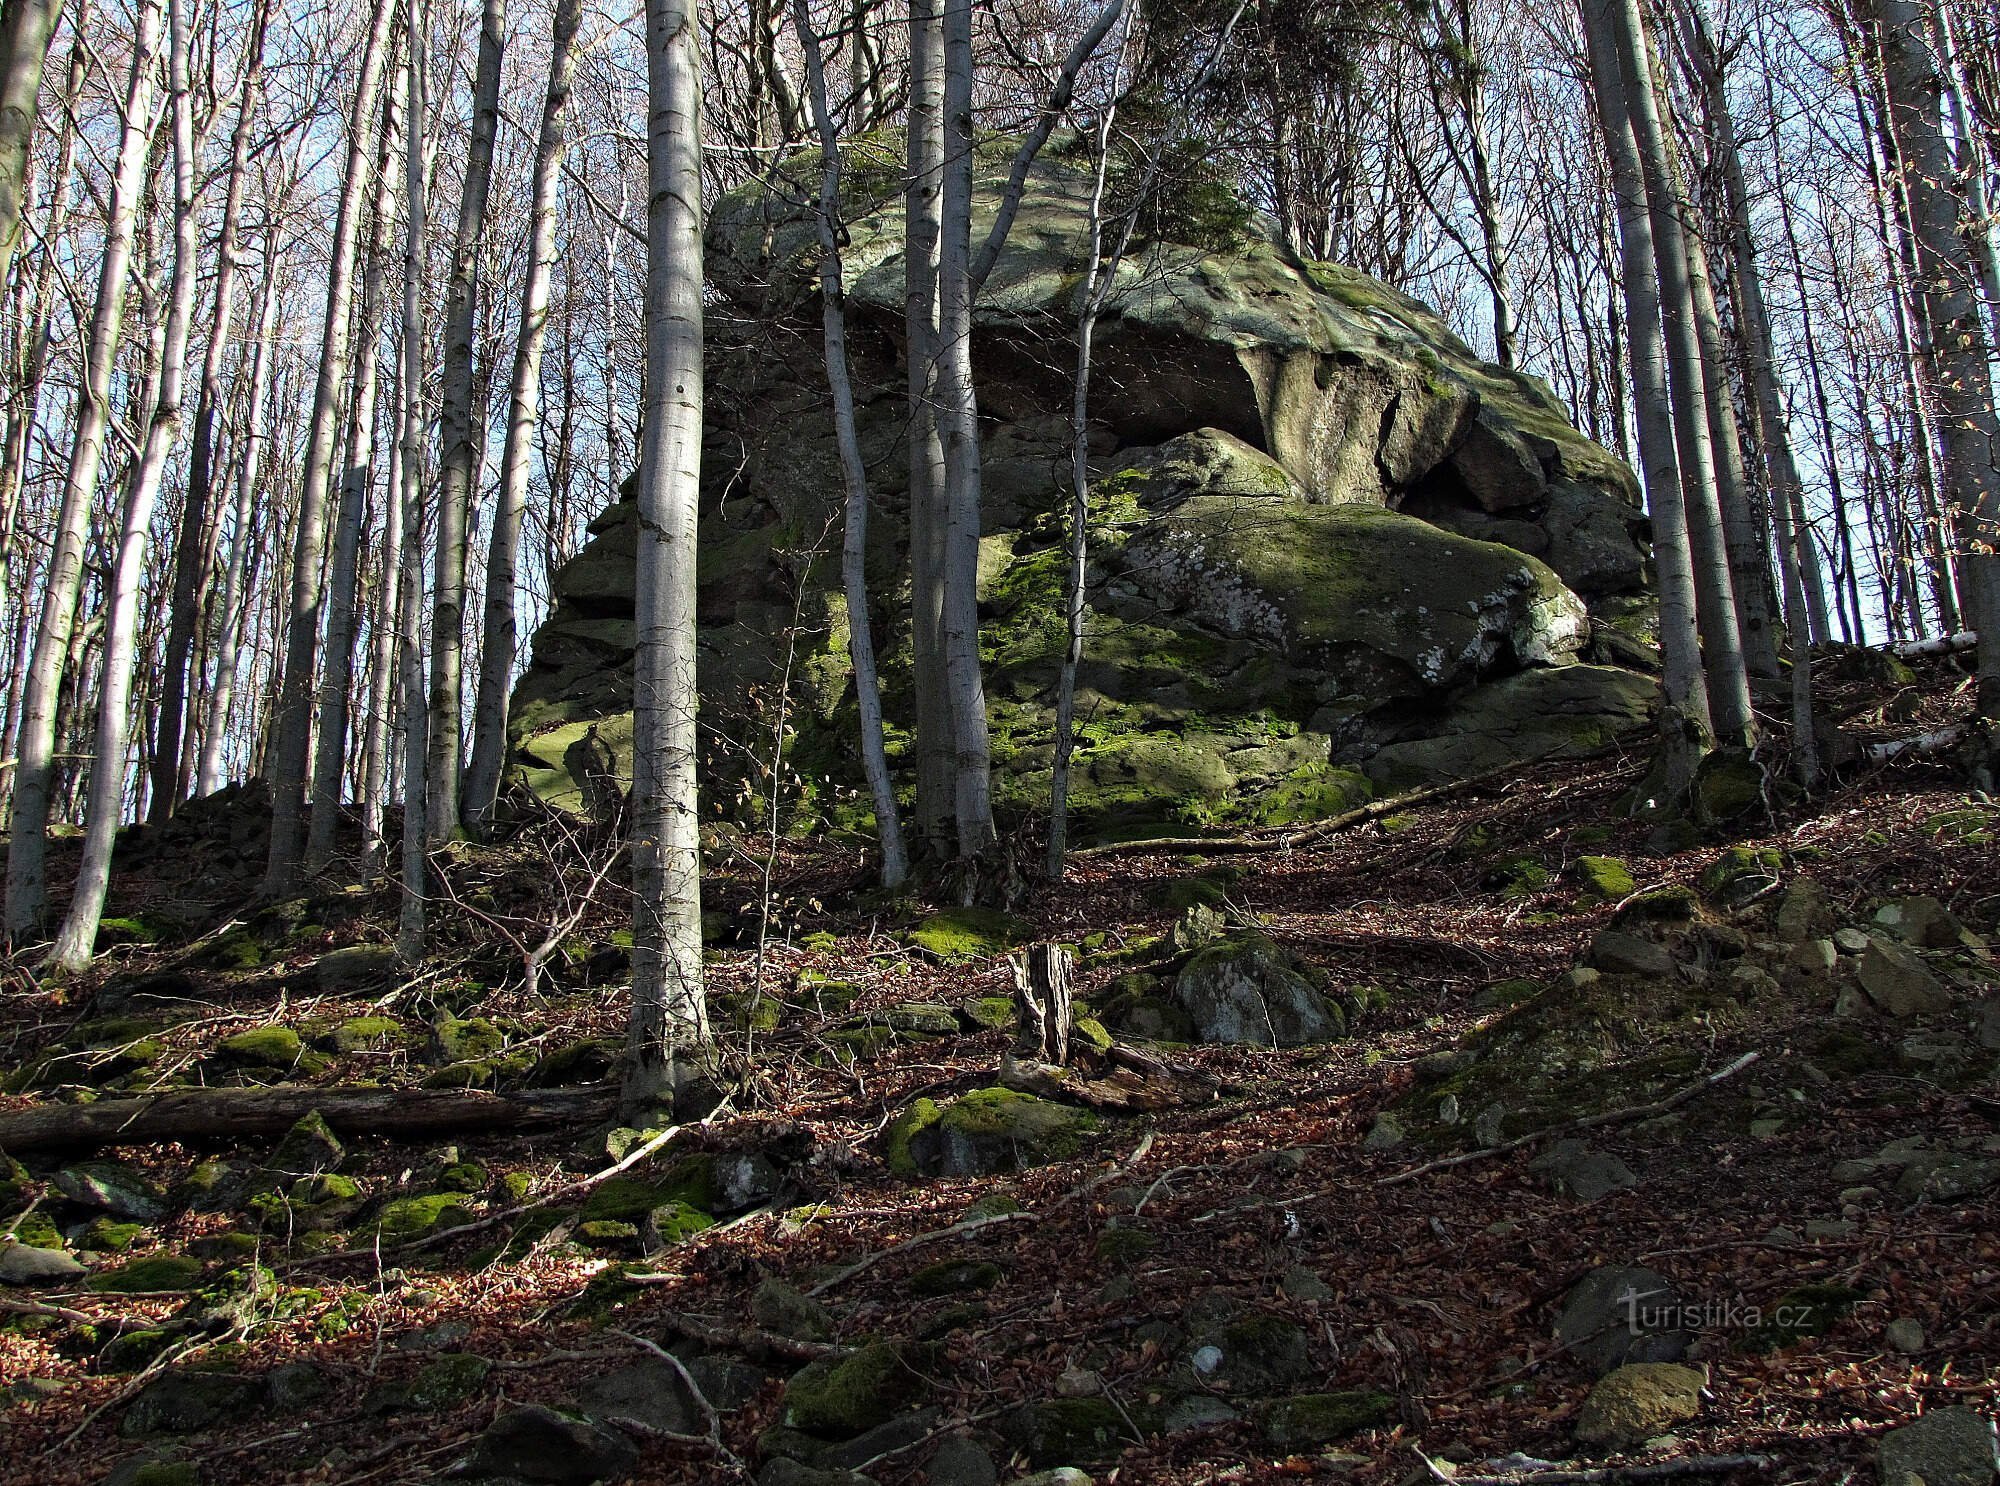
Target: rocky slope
1334	552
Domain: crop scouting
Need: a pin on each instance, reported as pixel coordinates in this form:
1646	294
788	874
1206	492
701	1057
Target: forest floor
371	1324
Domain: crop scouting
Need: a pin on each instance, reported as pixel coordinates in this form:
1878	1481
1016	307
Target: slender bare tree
26	28
27	884
500	635
668	1038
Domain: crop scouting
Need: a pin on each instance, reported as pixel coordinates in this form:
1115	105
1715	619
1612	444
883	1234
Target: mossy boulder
1256	1353
1602	879
113	1188
363	1034
959	934
357	966
467	1040
955	1277
1741	873
1321	526
1248	989
988	1130
308	1148
1069	1431
181	1401
1307	1421
406	1218
840	1397
274	1048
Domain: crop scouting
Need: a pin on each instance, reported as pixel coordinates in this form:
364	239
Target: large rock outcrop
1329	541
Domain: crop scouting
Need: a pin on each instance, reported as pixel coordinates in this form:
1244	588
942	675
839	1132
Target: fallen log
201	1114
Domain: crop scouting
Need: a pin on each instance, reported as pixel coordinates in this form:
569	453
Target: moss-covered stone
955	1277
154	1272
310	1146
960	934
676	1222
913	1121
363	1034
1307	1421
1248	989
1602	879
841	1397
990	1013
1069	1431
110	1236
1124	1243
263	1047
1741	873
462	1176
465	1040
993	1130
406	1218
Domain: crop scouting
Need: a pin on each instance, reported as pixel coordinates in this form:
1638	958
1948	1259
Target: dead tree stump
1043	974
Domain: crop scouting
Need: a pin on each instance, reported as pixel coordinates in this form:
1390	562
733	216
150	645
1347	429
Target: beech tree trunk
357	479
462	436
291	738
1684	715
105	809
668	1037
410	640
499	636
26	27
1954	327
1715	598
231	607
27	884
958	423
853	470
193	551
923	205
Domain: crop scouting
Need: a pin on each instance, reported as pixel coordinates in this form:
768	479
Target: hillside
1549	1037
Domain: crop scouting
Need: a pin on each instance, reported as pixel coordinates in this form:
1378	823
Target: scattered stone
1309	1420
1905	1334
1849	940
111	1188
1637	1402
153	1468
1620	1314
1741	872
1256	1354
785	1311
1065	1430
957	1277
1583	1173
1815	957
783	1471
650	1391
960	934
446	1381
181	1401
1385	1134
1247	989
308	1148
1803	913
899	1433
961	1460
1954	1446
1989	1026
1615	952
1196	1411
985	1131
1921	921
744	1181
296	1385
1899	983
25	1264
844	1396
1602	879
356	966
276	1048
1948	1177
1831	1230
541	1445
466	1041
155	1272
1301	1283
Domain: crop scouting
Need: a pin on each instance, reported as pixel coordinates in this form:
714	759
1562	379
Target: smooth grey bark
386	626
1728	682
936	806
231	606
958	424
1684	717
104	811
26	28
27	884
499	636
853	470
292	725
193	551
1954	327
461	438
330	750
1773	427
410	933
668	1038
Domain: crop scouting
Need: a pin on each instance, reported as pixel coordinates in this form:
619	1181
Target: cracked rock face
1322	528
